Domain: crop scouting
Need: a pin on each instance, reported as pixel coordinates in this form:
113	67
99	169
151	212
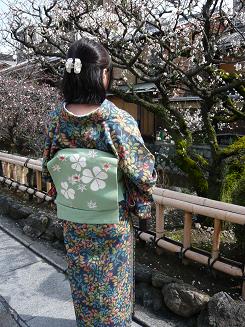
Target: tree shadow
43	321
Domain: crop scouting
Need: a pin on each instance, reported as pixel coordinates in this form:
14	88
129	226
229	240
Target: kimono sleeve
48	147
137	164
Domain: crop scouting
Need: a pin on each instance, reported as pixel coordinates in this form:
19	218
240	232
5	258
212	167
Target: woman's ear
106	78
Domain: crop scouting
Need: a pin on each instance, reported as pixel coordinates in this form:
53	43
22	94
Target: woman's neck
81	109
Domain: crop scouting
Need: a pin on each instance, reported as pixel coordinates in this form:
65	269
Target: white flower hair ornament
77	65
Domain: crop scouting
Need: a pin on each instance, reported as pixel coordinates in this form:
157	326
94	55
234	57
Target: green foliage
228	77
233	191
232	175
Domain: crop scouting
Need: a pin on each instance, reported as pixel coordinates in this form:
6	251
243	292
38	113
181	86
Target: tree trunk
214	183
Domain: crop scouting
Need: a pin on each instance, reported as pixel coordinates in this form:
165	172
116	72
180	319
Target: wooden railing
15	170
218	211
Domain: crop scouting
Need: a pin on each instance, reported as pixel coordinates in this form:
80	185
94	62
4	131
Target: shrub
233	191
24	105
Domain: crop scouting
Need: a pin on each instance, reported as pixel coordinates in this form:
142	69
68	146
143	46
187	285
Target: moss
230	183
206	246
234	148
176	235
181	146
228	77
230	101
241	90
189	166
233	173
239	192
204	162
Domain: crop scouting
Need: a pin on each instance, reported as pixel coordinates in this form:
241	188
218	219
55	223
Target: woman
100	257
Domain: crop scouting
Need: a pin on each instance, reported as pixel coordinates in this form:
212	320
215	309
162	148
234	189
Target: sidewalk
37	291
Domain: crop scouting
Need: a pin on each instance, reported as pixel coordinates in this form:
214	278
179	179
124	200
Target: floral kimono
100	257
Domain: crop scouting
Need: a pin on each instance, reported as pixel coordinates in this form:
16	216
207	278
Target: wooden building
145	119
6	60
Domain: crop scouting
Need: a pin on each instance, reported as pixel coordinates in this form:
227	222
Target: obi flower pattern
68	193
79	162
96	177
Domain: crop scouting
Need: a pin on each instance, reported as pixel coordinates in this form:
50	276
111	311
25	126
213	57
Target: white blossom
238	66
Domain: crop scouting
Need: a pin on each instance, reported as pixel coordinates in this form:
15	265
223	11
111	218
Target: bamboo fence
15	170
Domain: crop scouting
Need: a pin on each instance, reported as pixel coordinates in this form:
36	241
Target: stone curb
14	319
37	248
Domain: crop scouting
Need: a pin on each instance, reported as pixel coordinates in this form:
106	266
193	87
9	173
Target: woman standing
100	257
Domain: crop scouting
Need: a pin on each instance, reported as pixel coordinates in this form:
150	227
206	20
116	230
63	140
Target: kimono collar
99	114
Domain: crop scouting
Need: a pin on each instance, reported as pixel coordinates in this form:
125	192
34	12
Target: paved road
38	292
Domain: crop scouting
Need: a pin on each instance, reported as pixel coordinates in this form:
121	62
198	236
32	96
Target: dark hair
87	86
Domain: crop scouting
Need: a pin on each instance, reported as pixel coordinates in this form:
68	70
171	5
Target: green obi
89	185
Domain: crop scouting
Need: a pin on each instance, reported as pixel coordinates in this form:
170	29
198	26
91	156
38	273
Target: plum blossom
238	66
24	108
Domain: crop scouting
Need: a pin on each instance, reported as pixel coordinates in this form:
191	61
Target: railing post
14	172
159	225
11	171
7	169
243	286
216	239
22	175
30	182
48	186
187	233
39	182
4	168
1	168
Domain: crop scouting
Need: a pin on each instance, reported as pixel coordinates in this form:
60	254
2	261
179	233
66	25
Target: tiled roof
233	38
6	57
